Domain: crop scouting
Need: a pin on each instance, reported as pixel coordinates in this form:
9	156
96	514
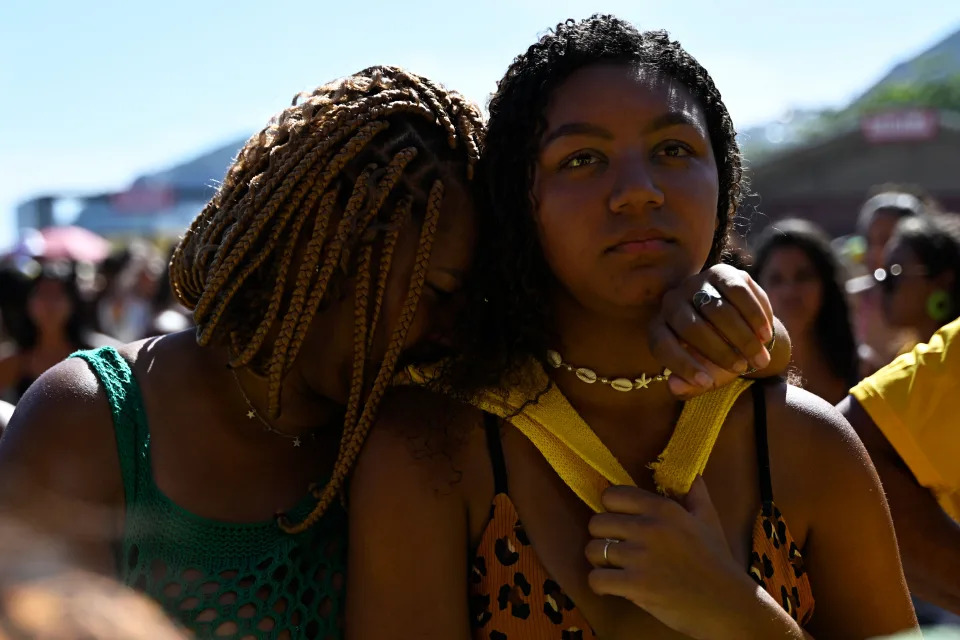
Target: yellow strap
584	463
689	448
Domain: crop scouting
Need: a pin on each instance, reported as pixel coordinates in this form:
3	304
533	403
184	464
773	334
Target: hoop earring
938	305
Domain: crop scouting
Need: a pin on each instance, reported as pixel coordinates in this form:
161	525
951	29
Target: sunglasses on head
889	276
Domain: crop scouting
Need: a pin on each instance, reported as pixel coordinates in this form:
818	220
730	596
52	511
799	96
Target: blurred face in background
49	304
905	287
790	279
878	236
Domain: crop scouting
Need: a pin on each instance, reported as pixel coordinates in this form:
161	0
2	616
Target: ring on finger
704	296
606	549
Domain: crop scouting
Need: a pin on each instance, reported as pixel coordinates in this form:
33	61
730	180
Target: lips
642	241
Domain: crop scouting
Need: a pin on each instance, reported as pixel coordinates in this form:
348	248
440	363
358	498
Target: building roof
163	203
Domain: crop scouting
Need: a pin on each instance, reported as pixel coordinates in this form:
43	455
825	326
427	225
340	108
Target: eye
442	295
580	159
675	150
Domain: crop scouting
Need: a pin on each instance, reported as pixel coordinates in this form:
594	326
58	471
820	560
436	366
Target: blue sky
94	93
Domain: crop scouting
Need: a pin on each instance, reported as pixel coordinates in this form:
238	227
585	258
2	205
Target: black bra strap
763	449
491	425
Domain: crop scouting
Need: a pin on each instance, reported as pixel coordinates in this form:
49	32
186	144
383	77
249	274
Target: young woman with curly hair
565	498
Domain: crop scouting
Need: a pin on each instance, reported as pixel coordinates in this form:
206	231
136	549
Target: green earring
938	305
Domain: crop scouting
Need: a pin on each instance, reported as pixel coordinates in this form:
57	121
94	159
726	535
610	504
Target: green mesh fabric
220	580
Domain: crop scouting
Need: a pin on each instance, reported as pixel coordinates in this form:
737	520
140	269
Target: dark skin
62	476
797	293
929	538
904	296
637	160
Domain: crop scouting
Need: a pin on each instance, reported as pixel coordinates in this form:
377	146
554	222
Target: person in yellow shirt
908	416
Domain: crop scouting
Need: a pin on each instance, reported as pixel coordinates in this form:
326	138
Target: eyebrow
668	119
577	129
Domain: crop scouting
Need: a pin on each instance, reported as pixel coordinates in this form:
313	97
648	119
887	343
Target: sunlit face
626	187
790	279
49	305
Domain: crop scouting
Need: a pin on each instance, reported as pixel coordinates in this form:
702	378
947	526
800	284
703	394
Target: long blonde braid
287	211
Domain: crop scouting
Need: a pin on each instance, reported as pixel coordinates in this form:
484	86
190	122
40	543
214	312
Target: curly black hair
832	326
508	318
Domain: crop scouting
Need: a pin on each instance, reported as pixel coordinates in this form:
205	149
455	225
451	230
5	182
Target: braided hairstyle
509	318
318	196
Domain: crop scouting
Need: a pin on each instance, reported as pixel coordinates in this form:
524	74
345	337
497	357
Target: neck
613	348
302	410
51	340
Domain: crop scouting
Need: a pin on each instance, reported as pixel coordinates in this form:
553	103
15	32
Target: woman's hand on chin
708	340
673	561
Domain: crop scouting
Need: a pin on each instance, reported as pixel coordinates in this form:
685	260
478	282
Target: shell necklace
589	376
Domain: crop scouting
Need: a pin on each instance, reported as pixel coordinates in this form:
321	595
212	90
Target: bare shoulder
409	521
423	430
810	427
60	438
412	409
818	462
66	395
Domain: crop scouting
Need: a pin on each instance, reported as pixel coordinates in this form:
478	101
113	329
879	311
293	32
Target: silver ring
705	296
606	548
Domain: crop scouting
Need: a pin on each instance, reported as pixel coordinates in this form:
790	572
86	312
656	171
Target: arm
59	469
408	543
929	537
851	552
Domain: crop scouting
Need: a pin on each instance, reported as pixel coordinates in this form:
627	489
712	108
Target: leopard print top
511	595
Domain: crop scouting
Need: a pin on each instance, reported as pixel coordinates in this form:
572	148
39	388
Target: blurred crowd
52	304
850	304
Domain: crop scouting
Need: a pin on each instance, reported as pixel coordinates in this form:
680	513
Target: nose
635	187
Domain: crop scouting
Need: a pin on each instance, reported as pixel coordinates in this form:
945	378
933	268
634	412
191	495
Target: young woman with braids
337	238
613	174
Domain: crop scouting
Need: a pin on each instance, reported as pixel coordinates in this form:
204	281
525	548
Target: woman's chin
640	305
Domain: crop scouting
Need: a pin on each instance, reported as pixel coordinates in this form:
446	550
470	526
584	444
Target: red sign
907	125
143	200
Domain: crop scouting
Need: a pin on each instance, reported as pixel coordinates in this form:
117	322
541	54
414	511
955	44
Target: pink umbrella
64	243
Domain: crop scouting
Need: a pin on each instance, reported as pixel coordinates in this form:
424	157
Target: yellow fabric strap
584	463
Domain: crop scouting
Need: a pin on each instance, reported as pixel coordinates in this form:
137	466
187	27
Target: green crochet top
220	580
